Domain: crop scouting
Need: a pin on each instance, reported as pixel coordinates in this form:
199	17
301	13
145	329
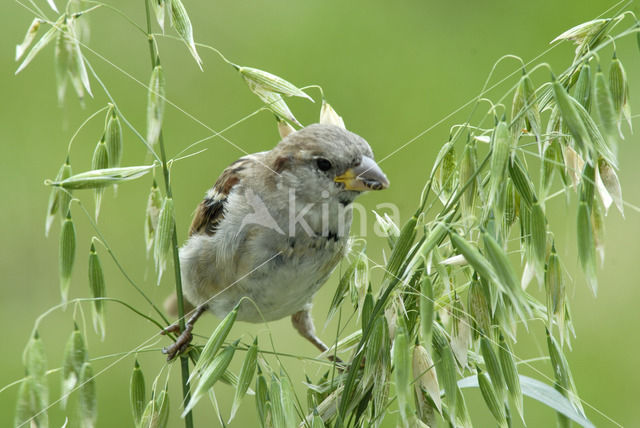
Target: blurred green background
391	69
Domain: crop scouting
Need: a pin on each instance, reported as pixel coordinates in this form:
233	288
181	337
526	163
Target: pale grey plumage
242	243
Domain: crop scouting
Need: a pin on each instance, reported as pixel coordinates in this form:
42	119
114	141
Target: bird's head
326	158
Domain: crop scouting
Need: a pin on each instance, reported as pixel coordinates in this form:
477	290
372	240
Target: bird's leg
185	337
304	324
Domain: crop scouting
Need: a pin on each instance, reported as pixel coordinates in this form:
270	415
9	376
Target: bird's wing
211	210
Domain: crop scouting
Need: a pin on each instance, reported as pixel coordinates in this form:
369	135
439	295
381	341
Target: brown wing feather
211	210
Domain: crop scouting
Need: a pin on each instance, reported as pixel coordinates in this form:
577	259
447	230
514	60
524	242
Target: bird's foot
184	339
182	342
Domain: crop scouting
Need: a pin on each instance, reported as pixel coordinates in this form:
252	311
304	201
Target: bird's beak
366	176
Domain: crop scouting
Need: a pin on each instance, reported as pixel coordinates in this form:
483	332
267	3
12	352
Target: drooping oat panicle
67	255
501	145
402	374
367	308
605	197
210	375
329	116
551	161
65	197
605	147
152	214
360	280
611	183
589	35
98	291
75	355
284	129
510	372
158	10
113	138
492	399
426	310
25	409
401	248
265	81
460	333
287	397
87	399
155	104
344	285
162	406
137	395
567	108
445	367
182	24
149	415
96	179
214	343
479	309
505	272
374	351
522	181
279	417
582	32
77	68
619	92
493	367
512	201
164	233
275	103
58	200
246	376
517	109
586	243
532	113
573	164
477	261
388	228
100	160
63	53
446	177
597	223
40	44
35	362
468	166
424	372
605	109
562	373
582	91
538	231
262	398
555	290
32	31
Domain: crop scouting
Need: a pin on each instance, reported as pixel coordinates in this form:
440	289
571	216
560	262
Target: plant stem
184	361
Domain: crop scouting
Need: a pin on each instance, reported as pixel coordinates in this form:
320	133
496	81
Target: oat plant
460	275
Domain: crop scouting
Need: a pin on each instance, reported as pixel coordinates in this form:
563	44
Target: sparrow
273	227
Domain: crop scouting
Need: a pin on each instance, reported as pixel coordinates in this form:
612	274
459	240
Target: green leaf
543	393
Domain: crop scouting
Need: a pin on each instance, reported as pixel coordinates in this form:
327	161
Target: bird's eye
323	164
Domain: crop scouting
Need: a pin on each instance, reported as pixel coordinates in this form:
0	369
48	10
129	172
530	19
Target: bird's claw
180	345
184	339
173	328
